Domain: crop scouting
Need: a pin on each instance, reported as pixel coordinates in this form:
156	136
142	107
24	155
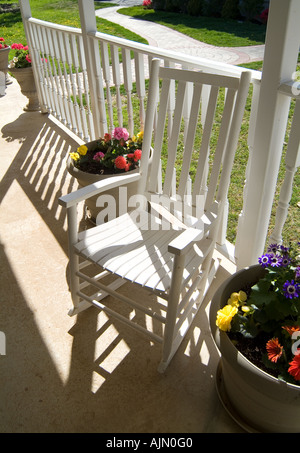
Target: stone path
165	38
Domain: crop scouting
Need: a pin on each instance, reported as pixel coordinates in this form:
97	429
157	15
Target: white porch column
88	25
281	53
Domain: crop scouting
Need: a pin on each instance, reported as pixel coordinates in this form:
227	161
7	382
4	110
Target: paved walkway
165	38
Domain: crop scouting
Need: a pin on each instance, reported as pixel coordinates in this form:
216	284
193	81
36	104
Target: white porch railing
86	80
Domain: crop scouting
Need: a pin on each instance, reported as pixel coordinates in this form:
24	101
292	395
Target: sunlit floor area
86	373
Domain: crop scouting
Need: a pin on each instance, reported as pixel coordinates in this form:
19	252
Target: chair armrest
181	244
75	197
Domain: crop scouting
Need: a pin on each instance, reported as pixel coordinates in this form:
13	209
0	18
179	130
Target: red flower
137	154
17	46
294	368
120	162
274	349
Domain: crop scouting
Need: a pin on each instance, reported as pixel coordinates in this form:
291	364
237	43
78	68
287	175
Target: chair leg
74	263
169	348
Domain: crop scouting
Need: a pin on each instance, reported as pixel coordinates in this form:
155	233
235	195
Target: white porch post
281	53
88	25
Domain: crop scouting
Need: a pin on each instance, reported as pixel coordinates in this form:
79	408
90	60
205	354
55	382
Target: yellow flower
234	300
237	298
242	296
82	150
74	156
140	136
224	317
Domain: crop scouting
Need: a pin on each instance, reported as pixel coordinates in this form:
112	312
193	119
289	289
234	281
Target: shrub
212	7
173	6
230	9
159	4
251	8
194	7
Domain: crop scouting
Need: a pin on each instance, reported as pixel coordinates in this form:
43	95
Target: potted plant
20	67
113	154
255	322
4	52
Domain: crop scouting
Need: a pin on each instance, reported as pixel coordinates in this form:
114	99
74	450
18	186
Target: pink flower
98	156
28	58
120	132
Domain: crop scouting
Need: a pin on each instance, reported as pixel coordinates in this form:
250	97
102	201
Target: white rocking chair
166	244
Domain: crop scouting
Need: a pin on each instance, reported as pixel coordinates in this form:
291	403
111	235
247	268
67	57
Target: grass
64	12
211	30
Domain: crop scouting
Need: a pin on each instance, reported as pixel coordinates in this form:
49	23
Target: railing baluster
127	70
83	92
140	84
64	79
106	76
117	81
95	54
292	162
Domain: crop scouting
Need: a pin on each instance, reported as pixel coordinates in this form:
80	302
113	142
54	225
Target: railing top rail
176	57
290	88
51	25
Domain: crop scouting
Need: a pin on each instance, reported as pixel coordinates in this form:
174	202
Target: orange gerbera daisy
291	329
294	368
274	349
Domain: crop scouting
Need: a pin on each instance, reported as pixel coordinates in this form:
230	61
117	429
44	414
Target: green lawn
63	12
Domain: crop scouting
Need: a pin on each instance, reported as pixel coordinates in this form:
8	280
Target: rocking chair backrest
194	158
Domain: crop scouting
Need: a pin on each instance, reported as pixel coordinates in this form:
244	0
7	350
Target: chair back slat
196	147
174	137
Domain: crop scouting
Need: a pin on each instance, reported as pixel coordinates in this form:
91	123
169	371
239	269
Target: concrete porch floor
87	373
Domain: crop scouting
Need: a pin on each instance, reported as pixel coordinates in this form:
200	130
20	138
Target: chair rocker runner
166	244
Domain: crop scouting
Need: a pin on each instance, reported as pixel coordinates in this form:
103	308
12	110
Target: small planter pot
4	68
25	79
256	400
4	59
84	179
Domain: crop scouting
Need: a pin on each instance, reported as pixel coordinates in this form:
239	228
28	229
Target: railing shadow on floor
111	383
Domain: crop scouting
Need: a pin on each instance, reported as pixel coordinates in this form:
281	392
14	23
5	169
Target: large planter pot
25	79
84	179
256	400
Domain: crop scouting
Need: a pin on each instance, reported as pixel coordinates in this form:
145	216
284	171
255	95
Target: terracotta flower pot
25	79
255	399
